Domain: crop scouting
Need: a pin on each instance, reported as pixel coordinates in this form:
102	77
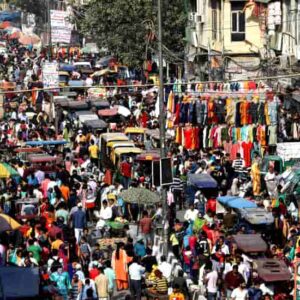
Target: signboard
166	176
156	173
50	75
61	28
162	172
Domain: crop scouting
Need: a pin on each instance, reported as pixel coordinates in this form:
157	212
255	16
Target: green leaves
123	27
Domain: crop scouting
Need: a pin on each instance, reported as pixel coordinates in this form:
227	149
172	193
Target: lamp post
162	119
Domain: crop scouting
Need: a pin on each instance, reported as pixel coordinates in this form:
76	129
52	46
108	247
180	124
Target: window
214	24
237	21
214	18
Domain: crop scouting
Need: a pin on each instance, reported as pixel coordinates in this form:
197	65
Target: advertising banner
50	75
61	28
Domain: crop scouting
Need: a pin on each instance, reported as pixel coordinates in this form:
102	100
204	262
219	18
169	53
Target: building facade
241	39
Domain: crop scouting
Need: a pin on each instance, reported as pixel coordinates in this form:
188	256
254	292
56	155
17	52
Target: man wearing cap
79	222
79	272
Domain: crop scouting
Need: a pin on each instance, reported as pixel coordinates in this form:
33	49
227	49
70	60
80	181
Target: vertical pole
49	31
162	121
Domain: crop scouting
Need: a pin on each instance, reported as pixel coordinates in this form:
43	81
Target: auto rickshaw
112	146
122	153
95	125
105	138
23	153
145	160
27	209
44	162
63	78
136	134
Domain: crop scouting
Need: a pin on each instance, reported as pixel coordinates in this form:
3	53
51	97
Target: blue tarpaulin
46	143
19	283
10	16
202	181
236	202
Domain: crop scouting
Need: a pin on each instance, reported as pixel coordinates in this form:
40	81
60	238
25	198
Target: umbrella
5	24
123	111
7	171
139	195
7	223
29	39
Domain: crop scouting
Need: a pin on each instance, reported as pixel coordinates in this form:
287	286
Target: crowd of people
60	240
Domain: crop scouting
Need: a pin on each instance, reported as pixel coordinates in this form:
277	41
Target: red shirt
93	273
192	242
145	224
125	169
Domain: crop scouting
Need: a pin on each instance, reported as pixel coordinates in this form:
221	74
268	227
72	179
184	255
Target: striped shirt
161	285
177	185
238	165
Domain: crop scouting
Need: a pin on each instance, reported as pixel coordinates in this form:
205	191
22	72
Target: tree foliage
36	7
127	28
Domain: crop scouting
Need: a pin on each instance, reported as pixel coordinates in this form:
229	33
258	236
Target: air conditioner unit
199	18
192	17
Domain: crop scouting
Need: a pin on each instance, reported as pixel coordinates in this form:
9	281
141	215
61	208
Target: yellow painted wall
253	33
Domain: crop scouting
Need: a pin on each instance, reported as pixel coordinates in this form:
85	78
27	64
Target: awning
271	270
250	243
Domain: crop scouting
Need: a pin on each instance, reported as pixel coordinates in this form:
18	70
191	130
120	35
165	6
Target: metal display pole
162	121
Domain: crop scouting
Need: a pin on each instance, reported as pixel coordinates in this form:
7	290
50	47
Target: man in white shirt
165	268
243	268
240	293
222	245
211	280
191	213
135	273
105	214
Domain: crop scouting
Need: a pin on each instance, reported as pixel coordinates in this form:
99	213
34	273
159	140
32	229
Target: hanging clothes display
240	117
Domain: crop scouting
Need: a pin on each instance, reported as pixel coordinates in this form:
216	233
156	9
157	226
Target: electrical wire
259	79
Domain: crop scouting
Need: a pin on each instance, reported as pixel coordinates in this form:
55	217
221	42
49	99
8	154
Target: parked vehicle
105	138
63	78
23	153
121	154
250	216
27	209
136	134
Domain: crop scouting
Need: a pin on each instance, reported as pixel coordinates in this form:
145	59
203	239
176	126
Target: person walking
79	222
101	282
119	263
135	274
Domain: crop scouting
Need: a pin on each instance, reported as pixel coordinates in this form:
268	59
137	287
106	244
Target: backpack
55	265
